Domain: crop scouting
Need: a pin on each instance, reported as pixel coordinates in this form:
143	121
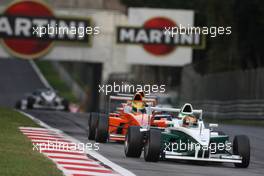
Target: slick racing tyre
101	133
133	142
65	104
30	102
152	146
241	147
18	104
92	124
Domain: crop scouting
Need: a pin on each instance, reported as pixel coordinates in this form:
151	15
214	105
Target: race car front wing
227	158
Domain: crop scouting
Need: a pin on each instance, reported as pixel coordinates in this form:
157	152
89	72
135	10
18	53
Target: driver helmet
189	121
141	92
138	103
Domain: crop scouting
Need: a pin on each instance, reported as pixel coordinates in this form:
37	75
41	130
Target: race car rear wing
149	101
132	95
151	109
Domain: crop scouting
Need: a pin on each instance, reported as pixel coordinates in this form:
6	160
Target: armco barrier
238	109
235	94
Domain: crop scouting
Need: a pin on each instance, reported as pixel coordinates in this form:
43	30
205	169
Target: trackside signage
148	43
134	35
31	28
28	29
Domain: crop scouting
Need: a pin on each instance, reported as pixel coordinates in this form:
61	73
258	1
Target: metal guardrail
235	94
237	109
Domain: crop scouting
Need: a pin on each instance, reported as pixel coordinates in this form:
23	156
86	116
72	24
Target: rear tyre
65	104
18	105
92	124
153	146
133	142
241	146
30	102
101	133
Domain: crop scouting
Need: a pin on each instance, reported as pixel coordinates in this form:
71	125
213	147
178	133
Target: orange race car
124	111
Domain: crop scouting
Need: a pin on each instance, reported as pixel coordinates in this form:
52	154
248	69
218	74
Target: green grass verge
16	151
53	78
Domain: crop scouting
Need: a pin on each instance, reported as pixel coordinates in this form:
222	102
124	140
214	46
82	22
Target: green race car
187	138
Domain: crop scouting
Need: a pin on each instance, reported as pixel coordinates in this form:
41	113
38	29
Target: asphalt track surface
17	78
75	125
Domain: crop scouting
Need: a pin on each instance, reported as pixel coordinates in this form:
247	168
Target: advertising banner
147	42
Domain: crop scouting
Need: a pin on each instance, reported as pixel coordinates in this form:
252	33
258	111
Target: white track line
38	133
35	128
31	130
92	153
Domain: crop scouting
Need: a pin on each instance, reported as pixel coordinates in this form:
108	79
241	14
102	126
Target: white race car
187	138
43	99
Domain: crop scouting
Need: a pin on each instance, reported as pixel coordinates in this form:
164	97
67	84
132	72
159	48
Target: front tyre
241	147
30	102
101	133
153	146
92	124
133	142
65	104
18	104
